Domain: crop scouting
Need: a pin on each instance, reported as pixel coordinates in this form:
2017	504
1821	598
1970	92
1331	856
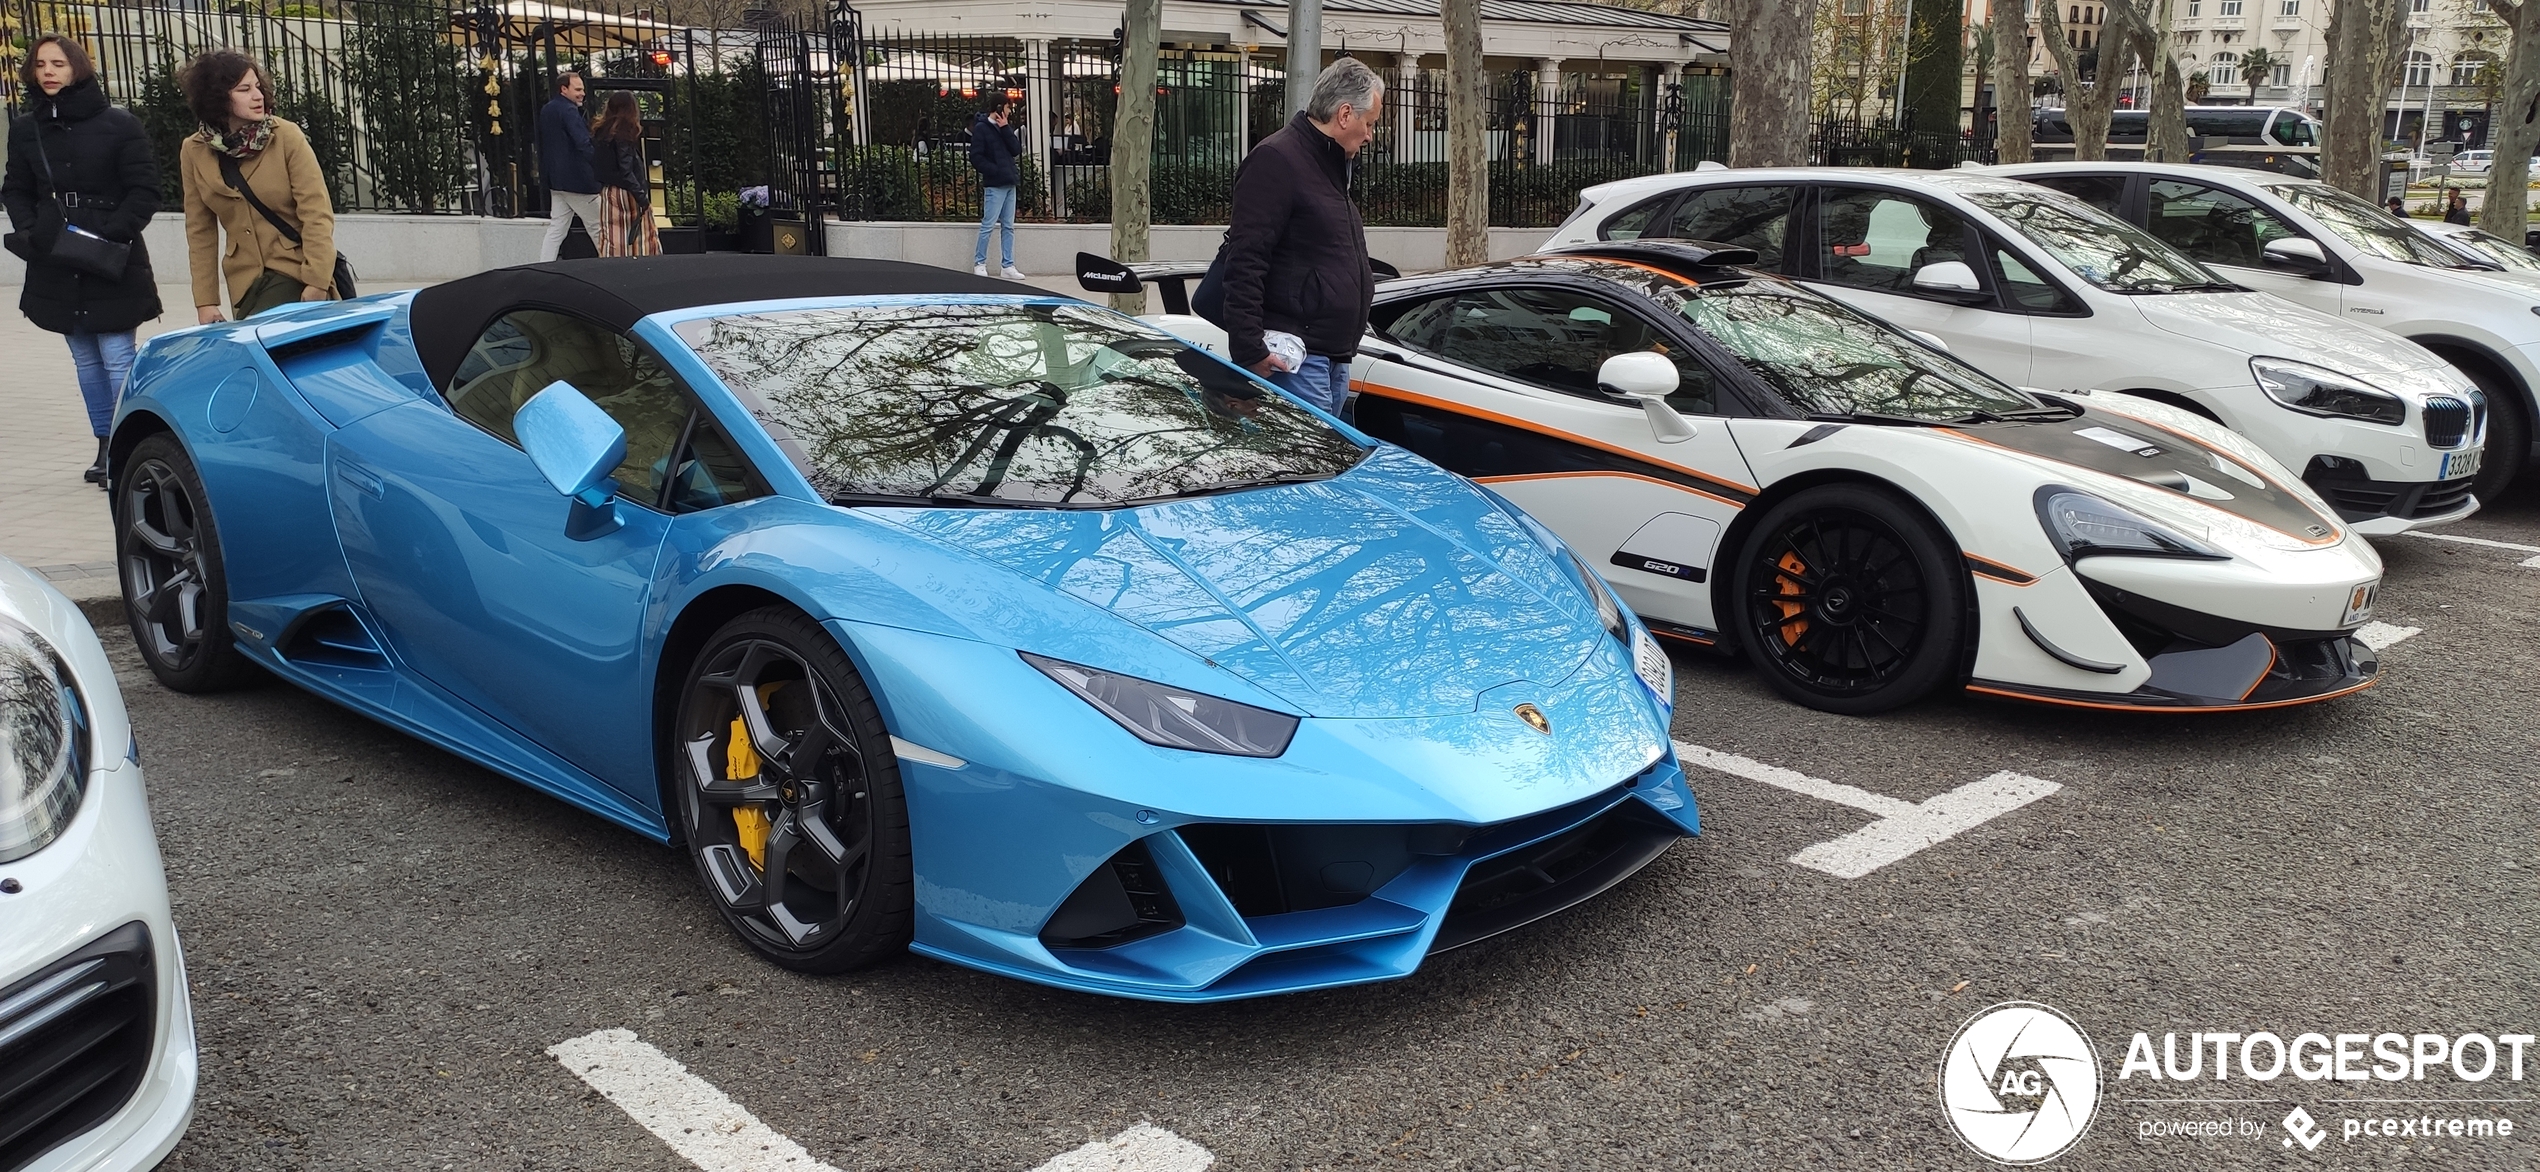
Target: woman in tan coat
232	97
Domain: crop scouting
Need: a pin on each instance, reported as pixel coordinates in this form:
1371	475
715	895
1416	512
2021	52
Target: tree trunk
2166	140
2364	39
2515	128
1768	98
1467	136
1935	65
1133	140
2088	111
2012	117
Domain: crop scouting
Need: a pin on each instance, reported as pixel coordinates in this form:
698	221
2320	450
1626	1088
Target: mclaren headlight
44	746
2083	525
2315	390
1161	714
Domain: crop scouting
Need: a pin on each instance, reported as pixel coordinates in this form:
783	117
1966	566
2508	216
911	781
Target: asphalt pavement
386	941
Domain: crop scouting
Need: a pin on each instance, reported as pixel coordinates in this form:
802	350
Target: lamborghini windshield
1008	404
1828	360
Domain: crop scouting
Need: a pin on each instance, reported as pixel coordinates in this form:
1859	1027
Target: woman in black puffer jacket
103	179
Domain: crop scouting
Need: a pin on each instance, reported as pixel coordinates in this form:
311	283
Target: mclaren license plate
2461	463
2359	604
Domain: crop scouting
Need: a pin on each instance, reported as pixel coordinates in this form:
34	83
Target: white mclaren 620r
1759	467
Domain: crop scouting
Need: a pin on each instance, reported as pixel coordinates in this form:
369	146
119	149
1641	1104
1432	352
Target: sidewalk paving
51	521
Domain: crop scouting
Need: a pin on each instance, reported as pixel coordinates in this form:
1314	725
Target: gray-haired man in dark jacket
1296	253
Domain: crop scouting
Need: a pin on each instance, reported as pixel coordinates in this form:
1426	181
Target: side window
1636	221
2211	225
1748	217
1879	240
527	349
1552	338
2028	290
2104	192
710	472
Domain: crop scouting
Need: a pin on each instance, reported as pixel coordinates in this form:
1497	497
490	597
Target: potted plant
765	227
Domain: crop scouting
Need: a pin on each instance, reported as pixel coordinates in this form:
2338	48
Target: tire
167	552
830	886
2508	435
1849	600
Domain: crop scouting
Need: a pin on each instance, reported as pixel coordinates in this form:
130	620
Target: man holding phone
995	152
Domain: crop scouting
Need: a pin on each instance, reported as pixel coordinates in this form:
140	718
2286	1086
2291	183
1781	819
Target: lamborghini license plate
2461	463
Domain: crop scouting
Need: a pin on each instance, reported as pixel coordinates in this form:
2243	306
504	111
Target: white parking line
2383	636
714	1133
1902	828
700	1123
1144	1148
2533	562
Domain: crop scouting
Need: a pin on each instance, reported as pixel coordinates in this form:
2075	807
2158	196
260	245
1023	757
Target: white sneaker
1012	273
978	270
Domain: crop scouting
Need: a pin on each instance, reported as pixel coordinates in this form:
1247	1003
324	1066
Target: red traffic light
662	58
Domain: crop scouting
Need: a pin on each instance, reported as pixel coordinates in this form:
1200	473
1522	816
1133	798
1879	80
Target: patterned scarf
240	144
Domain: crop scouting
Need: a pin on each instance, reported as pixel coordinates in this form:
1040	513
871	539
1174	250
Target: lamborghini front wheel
790	797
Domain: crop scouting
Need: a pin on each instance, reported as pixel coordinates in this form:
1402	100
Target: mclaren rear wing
1171	278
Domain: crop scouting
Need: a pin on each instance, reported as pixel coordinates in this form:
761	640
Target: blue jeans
996	208
1322	381
102	361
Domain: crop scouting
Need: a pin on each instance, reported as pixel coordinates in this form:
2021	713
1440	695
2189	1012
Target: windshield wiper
932	500
1876	417
1237	486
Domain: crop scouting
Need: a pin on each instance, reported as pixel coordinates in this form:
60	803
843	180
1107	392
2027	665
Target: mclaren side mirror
2297	254
575	445
1949	279
1647	377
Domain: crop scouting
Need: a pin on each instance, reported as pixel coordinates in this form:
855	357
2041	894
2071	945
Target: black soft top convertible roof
448	318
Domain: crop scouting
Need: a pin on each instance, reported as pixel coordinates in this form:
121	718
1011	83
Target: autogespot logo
2020	1083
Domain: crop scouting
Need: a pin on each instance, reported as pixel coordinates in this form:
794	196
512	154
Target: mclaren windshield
1008	404
1828	360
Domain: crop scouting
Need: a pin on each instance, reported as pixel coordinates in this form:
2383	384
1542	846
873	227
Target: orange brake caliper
1787	588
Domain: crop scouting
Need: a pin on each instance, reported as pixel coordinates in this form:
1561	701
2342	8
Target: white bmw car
2045	291
1755	464
97	1061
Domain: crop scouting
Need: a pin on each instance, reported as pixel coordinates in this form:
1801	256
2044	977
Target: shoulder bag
229	171
73	245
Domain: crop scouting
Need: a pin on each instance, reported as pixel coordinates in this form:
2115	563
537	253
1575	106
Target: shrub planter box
782	235
681	241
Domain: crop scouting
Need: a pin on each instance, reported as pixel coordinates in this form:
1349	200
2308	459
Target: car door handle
360	477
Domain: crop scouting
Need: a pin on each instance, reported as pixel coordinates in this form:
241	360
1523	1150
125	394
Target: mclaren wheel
168	553
790	796
1849	600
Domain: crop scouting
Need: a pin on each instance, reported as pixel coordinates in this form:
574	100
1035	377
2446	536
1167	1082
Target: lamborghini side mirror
1647	377
575	445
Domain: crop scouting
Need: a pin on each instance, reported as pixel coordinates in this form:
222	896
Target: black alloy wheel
1850	600
789	795
175	593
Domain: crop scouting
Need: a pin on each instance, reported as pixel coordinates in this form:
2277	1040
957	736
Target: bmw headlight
1161	714
43	743
2082	525
2314	390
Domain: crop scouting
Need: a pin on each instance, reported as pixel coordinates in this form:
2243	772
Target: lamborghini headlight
43	743
2082	525
1161	714
1609	613
2314	390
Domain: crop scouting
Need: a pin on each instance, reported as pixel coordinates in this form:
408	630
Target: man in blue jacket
564	159
994	149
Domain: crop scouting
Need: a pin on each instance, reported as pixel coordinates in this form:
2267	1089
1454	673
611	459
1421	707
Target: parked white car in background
97	1060
2339	254
2039	289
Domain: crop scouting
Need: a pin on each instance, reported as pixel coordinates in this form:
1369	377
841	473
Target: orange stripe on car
1385	392
1522	476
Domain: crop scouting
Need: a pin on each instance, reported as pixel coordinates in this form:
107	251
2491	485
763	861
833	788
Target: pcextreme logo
2020	1083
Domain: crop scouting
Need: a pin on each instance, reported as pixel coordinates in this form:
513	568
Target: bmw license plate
2359	604
2462	463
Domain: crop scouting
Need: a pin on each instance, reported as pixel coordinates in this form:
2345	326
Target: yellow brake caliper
741	763
1786	588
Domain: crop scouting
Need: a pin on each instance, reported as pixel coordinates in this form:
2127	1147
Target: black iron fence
1851	142
431	106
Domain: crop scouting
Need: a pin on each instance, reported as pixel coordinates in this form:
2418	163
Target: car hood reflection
1394	590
